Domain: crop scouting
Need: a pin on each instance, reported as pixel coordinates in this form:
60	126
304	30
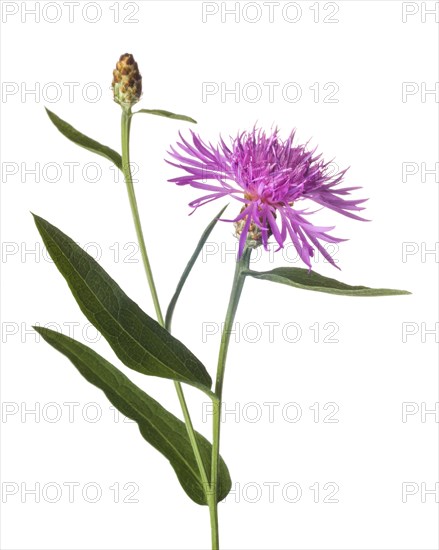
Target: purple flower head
269	177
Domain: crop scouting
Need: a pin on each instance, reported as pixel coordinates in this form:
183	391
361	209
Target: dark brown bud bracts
127	81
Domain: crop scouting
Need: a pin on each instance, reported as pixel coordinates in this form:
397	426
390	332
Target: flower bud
127	81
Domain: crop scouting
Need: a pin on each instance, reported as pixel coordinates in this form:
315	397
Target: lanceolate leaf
193	259
84	141
139	341
159	427
302	278
167	114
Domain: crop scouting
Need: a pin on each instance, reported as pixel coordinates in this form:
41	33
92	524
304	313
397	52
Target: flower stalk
242	265
125	126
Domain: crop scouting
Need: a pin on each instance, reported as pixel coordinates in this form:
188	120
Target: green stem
192	439
237	286
126	125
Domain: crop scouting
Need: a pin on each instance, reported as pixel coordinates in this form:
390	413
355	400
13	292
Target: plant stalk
125	134
238	283
126	125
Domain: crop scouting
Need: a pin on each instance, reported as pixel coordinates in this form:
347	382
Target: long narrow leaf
84	141
193	259
301	278
139	341
159	427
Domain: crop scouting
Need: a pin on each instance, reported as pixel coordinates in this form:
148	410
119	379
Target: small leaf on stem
166	114
188	268
84	141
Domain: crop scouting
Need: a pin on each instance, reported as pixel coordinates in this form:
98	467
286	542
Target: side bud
127	81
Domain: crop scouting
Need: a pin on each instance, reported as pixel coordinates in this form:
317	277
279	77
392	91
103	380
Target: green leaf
159	427
84	141
193	259
139	341
167	114
302	278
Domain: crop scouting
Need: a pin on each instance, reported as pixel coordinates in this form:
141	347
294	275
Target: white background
369	373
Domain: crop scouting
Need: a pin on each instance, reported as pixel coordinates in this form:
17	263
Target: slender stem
214	528
126	125
192	439
235	294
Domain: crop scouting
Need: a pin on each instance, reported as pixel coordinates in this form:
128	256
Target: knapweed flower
270	178
127	81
